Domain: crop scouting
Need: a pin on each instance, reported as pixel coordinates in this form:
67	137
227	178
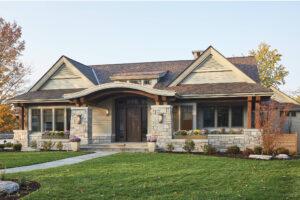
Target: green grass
17	159
168	176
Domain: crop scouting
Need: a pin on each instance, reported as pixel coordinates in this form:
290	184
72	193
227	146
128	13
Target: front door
131	119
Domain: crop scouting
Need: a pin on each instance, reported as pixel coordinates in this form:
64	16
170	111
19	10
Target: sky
120	32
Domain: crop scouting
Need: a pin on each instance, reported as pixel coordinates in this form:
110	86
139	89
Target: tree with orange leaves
7	119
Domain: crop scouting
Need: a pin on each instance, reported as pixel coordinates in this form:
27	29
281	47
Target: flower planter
190	137
55	136
75	146
151	146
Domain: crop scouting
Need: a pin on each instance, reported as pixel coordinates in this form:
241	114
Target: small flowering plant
152	139
75	139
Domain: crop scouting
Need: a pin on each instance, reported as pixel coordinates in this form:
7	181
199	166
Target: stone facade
81	128
221	141
22	137
253	138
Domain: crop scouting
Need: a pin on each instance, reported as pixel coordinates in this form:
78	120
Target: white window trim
194	114
42	108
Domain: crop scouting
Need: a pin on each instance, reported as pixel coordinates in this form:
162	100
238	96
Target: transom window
183	118
48	119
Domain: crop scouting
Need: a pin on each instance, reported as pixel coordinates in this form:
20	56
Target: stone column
253	138
81	123
162	124
21	137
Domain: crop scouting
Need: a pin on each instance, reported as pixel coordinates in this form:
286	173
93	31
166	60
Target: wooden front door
131	119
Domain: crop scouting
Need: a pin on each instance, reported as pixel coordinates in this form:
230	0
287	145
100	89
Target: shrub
267	151
223	131
22	181
17	147
247	152
33	144
59	146
170	147
282	150
233	150
2	146
9	144
189	145
258	150
208	149
47	145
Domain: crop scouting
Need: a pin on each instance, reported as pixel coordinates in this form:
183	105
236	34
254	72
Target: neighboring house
130	102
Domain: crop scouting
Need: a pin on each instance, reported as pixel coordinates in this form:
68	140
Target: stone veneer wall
22	137
83	130
164	133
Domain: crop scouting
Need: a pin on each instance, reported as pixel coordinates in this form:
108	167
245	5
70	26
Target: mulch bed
27	188
240	155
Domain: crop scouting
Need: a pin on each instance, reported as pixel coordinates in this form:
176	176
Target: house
129	102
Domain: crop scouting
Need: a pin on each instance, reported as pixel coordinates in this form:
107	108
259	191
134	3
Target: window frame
42	108
194	114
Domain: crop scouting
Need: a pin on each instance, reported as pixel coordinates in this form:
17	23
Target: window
183	117
237	116
147	82
68	119
36	120
209	117
223	114
186	118
59	119
136	81
47	119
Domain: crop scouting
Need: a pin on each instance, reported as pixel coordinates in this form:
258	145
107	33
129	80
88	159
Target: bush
22	181
189	145
267	152
9	144
46	146
233	150
258	150
2	146
59	146
17	147
208	149
170	147
282	150
33	144
247	152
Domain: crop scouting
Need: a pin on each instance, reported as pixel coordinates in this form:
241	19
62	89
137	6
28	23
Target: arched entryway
131	119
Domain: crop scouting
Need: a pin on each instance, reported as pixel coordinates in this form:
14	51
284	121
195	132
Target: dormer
145	78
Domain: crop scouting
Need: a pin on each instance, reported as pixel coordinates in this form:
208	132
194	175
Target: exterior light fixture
107	111
160	117
78	119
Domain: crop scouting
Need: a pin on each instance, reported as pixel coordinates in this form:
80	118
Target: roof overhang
39	101
200	96
108	86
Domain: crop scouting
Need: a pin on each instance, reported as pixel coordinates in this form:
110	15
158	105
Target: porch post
257	112
249	110
21	117
26	118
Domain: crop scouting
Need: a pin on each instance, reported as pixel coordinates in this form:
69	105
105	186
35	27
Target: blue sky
119	32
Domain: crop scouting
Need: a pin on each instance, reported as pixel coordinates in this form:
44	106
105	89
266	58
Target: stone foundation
22	137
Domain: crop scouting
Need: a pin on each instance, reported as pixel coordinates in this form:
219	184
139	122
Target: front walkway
57	163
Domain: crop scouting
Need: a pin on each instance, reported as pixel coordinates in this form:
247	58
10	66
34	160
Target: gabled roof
86	71
281	97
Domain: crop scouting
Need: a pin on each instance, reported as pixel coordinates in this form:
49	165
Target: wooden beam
249	110
82	101
77	103
156	98
26	118
257	111
164	100
108	93
21	118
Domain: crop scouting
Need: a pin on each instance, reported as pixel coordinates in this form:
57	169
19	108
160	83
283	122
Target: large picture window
36	120
59	119
47	119
209	117
237	116
183	117
223	115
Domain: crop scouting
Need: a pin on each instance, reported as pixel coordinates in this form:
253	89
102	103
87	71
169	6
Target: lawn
16	159
168	176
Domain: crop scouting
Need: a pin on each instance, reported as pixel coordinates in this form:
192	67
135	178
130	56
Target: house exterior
131	102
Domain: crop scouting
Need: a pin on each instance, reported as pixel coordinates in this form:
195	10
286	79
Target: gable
282	97
211	71
63	75
211	67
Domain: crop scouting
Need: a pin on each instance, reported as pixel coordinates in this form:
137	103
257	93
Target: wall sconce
160	117
107	111
78	119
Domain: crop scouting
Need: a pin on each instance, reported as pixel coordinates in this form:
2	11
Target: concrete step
116	147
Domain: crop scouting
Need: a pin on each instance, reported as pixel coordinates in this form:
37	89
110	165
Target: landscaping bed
26	188
55	136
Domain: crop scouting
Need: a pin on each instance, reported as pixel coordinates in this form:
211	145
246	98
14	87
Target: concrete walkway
58	163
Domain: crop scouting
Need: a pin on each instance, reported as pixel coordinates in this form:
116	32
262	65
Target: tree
271	72
7	119
12	71
273	115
